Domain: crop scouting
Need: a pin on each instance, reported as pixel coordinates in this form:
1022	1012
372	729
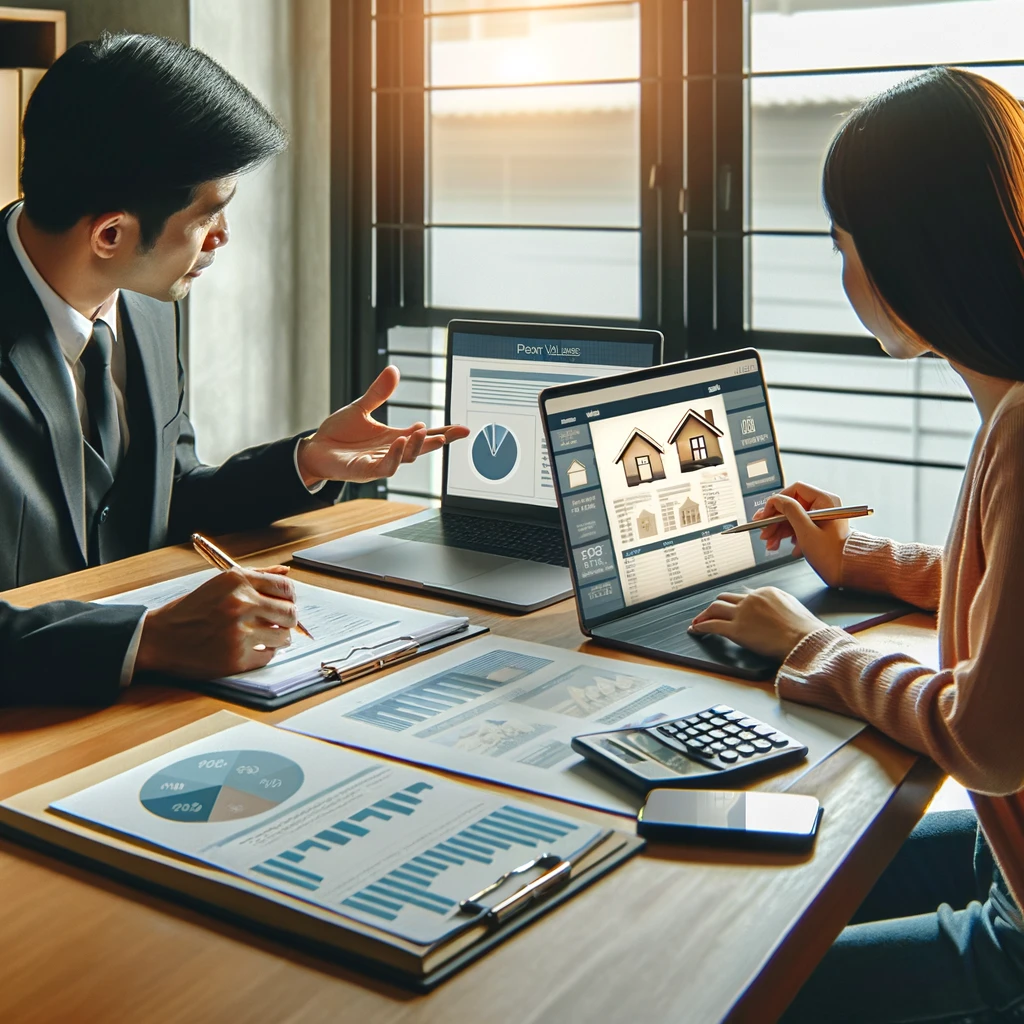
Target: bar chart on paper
412	883
404	861
423	700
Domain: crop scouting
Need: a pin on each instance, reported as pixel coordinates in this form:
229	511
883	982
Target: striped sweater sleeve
911	572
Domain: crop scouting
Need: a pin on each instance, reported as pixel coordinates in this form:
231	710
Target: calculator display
654	749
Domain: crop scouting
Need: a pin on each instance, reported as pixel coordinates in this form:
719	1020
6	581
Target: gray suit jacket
161	495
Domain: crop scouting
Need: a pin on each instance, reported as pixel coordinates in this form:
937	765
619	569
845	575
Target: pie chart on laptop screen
221	786
495	452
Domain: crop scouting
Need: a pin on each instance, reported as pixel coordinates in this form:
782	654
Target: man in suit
133	149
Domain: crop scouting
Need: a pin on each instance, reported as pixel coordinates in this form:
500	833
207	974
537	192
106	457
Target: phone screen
774	813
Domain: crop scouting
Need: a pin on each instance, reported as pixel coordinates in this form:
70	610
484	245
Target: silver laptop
651	468
496	540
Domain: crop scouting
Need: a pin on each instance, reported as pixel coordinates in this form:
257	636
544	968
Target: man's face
185	247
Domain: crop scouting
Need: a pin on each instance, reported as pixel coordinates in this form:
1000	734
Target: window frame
694	197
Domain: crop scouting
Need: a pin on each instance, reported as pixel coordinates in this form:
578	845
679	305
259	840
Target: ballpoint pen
837	512
220	560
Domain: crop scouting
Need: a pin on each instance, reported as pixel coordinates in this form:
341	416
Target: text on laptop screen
651	473
494	385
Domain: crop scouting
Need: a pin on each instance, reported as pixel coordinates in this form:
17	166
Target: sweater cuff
866	562
800	677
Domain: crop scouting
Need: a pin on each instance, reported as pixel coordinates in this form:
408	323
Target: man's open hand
352	445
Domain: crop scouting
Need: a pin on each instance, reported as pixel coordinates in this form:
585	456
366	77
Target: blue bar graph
409	884
283	867
440	693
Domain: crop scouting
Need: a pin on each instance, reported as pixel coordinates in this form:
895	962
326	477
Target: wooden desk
683	935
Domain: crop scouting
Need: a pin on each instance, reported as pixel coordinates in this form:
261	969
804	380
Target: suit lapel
32	350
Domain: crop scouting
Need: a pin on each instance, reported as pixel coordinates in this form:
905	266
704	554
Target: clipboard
252	700
27	819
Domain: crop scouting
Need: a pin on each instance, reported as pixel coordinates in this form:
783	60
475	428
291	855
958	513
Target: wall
258	323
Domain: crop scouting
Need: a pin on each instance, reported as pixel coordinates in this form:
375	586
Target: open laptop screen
652	468
493	383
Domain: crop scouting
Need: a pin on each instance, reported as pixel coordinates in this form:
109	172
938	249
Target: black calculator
709	748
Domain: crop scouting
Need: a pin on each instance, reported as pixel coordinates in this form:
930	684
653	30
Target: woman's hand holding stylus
821	543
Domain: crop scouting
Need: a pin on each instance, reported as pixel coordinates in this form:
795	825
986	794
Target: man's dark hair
136	123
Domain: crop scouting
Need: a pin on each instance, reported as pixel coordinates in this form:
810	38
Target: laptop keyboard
493	536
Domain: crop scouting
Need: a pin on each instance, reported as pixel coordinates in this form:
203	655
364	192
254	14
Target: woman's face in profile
865	303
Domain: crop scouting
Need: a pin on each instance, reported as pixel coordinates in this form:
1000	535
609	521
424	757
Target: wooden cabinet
30	41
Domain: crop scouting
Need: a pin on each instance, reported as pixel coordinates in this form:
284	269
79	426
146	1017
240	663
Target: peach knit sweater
968	716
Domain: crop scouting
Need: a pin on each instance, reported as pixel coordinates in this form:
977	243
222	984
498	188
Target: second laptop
496	539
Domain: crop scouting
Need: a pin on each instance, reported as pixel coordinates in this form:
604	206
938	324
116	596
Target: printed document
390	846
349	631
506	711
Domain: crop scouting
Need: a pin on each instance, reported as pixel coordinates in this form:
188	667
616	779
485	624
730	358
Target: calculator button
718	722
705	714
778	740
747	735
763	730
728	756
762	746
721	709
732	741
717	734
749	723
746	749
718	747
692	720
735	716
731	729
667	730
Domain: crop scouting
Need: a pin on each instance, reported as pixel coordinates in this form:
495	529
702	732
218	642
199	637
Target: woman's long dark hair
928	178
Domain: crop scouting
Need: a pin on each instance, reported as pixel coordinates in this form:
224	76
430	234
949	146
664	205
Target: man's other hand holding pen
235	622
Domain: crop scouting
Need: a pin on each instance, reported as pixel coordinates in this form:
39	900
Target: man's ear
113	233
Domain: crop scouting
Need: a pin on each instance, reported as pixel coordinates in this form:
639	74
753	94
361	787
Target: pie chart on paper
221	786
495	452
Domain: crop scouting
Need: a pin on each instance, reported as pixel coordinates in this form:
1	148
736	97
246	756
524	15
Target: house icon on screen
696	440
689	513
646	524
641	458
577	474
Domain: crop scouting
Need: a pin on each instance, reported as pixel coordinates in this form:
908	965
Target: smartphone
764	821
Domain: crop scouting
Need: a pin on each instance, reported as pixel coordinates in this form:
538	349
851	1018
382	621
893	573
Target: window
896	435
698	449
653	162
643	467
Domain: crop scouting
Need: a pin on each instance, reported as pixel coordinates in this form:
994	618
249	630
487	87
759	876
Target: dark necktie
104	429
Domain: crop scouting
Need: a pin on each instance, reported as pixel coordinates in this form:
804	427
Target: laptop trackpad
429	564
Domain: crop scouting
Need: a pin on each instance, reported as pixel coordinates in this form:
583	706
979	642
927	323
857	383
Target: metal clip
556	872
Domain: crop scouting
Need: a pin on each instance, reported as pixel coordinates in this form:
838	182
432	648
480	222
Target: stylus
839	512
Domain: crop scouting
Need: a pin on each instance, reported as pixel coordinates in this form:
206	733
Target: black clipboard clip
556	873
408	647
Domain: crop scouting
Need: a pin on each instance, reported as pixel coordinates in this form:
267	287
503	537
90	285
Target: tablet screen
651	472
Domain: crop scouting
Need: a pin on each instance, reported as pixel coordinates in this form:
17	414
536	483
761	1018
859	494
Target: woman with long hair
925	189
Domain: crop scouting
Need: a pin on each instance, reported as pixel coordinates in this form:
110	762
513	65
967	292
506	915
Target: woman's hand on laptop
351	445
767	621
820	543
